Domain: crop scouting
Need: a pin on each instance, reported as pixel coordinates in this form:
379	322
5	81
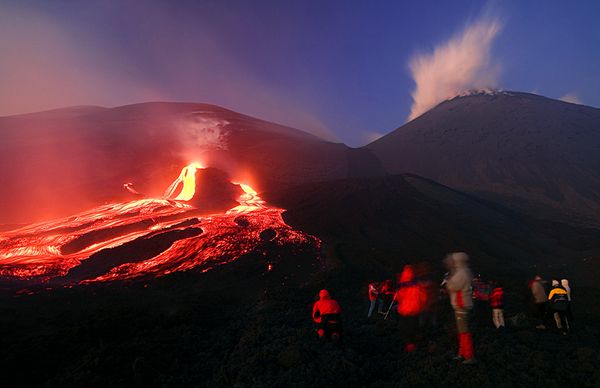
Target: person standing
538	294
569	313
411	298
459	289
373	298
559	302
497	304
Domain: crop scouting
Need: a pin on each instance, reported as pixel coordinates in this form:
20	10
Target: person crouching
327	315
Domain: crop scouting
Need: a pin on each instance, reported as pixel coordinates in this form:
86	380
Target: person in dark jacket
497	305
326	314
459	290
559	303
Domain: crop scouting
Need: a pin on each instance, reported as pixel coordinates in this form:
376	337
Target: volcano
534	153
86	154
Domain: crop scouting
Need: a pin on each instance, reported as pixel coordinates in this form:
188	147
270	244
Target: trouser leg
371	308
465	340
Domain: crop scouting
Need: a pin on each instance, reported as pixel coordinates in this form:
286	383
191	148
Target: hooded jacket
459	282
411	296
325	306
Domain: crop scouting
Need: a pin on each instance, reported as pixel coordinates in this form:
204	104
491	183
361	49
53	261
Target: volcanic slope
373	226
71	159
532	152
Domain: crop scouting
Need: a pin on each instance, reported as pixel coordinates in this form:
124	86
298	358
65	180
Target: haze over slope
513	146
62	161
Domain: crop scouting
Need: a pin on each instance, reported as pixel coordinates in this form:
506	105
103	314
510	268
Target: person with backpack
497	305
559	303
459	290
326	314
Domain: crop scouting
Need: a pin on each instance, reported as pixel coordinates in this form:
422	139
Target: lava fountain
147	237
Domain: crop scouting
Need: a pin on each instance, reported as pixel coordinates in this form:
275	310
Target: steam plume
458	65
572	98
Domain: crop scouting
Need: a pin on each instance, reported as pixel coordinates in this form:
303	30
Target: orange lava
48	250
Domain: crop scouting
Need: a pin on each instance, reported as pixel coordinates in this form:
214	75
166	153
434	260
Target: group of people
556	304
415	297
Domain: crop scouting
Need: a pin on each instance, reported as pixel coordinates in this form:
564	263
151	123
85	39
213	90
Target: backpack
560	302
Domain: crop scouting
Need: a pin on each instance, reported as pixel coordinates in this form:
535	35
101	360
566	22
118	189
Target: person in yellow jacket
559	304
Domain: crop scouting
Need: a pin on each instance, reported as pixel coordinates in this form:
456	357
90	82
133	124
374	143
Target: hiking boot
470	361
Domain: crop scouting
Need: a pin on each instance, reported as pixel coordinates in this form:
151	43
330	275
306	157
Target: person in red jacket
497	305
327	315
373	298
412	299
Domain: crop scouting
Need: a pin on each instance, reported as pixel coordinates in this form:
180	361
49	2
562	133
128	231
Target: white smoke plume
199	130
460	64
572	98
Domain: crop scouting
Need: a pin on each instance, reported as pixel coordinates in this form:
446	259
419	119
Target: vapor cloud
458	65
572	98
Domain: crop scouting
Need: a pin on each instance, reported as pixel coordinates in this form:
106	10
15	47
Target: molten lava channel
126	240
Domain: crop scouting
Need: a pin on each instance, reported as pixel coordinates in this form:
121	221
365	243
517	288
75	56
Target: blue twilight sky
341	69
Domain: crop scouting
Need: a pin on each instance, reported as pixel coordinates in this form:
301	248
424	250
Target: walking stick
389	309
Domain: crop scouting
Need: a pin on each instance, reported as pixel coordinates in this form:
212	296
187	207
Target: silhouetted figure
538	294
459	290
481	301
327	315
497	305
373	298
386	294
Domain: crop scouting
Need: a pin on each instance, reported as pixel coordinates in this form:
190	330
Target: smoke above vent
462	63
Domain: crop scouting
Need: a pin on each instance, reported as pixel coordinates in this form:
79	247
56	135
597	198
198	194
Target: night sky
341	69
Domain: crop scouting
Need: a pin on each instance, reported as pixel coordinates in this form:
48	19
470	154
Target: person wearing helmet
459	289
326	314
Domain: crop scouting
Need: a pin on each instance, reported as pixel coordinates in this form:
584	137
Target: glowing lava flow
187	178
112	242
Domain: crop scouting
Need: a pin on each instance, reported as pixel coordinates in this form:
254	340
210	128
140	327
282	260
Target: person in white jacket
569	313
459	289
